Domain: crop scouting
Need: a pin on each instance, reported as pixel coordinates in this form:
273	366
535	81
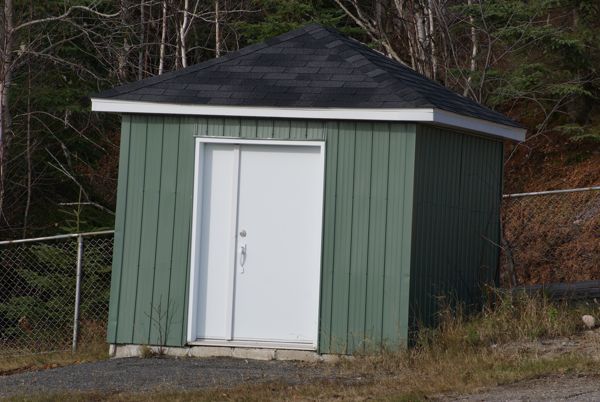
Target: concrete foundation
120	351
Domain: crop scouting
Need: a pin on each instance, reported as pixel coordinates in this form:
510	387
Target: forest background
537	61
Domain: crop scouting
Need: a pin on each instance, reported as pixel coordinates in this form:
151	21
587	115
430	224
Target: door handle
242	256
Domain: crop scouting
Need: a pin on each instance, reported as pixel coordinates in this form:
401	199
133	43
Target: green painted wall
458	187
366	240
152	230
366	244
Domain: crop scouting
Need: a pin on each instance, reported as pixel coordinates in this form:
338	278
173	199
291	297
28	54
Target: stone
589	321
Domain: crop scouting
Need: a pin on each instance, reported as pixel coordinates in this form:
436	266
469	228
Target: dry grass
40	361
508	318
462	355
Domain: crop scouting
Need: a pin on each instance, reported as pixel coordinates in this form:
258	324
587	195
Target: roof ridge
361	48
437	84
246	50
392	63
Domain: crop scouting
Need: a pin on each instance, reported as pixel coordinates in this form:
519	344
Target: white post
77	292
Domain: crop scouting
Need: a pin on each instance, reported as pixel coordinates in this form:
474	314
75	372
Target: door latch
242	257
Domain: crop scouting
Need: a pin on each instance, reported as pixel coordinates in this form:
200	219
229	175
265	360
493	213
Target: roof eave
430	115
451	119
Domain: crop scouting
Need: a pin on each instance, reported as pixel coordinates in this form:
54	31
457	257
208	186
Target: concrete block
209	351
302	355
253	353
123	351
173	351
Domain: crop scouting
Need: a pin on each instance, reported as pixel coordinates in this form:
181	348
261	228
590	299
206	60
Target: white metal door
256	243
279	244
218	199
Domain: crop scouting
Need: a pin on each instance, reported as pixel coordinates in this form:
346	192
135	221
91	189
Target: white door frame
201	141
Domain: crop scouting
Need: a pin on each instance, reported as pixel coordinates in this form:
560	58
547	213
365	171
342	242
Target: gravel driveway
138	375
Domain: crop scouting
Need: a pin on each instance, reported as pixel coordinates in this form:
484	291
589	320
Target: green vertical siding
458	180
182	233
366	228
115	283
329	226
152	231
133	224
378	208
367	242
149	227
398	235
165	229
359	247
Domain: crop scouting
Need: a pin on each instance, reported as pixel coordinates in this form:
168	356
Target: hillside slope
551	238
551	163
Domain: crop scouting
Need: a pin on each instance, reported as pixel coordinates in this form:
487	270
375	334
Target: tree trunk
421	39
474	52
123	52
28	152
434	61
163	38
142	40
217	30
183	33
409	32
5	80
28	145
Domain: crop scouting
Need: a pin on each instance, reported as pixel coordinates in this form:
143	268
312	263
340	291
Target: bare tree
411	40
12	58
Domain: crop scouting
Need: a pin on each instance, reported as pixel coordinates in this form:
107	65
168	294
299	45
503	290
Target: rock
589	321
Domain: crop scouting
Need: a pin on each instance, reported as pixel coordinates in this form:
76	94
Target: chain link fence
551	237
54	292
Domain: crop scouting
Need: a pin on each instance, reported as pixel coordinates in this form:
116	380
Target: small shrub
146	352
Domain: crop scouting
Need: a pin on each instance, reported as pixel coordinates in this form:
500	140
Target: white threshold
431	115
255	344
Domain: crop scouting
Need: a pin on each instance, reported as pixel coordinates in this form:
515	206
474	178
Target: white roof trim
437	116
484	126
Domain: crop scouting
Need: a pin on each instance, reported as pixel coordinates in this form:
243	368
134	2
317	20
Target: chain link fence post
48	303
77	292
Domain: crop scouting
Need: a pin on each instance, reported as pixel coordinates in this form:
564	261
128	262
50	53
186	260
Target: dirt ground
552	388
587	343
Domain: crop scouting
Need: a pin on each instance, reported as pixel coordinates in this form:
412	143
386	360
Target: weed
87	352
146	352
507	317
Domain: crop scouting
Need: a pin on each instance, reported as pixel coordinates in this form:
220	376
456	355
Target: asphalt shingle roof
311	67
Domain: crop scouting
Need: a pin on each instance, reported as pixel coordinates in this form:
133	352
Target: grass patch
464	354
506	318
87	352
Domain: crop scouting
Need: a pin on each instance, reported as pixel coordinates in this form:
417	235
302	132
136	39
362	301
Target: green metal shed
306	193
